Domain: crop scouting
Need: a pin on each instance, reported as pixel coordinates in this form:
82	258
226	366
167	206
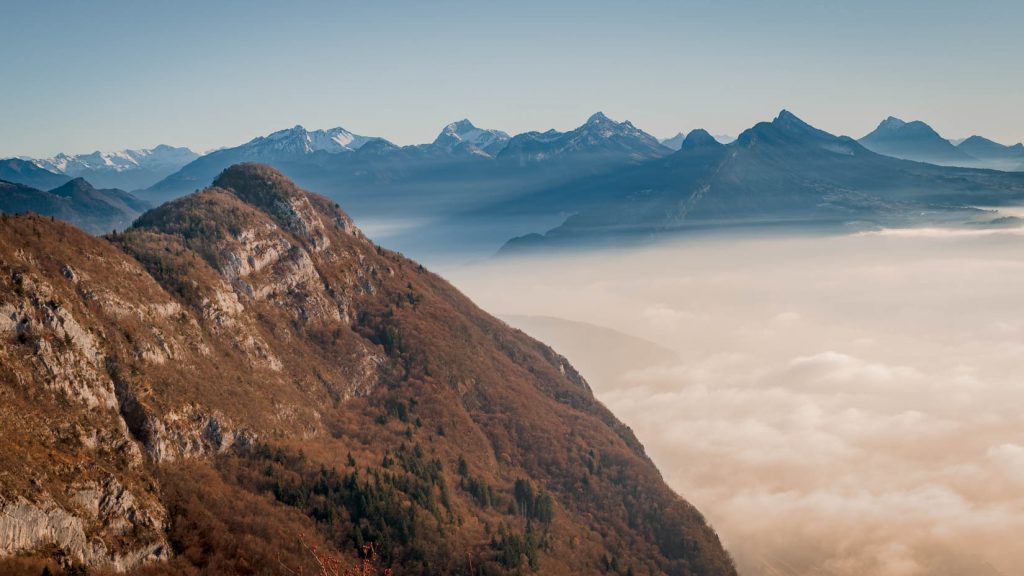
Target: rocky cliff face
246	350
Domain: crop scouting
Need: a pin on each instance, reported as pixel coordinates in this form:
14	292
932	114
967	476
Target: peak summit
460	126
892	123
700	139
598	117
463	132
787	118
257	184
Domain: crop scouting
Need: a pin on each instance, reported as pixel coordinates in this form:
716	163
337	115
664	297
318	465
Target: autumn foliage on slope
304	380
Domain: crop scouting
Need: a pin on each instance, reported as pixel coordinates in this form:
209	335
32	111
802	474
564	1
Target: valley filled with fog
841	405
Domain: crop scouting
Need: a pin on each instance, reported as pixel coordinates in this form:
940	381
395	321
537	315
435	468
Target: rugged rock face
242	365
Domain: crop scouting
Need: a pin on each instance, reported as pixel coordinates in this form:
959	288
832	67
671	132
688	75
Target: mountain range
418	190
124	169
312	156
469	191
76	201
783	173
30	174
242	368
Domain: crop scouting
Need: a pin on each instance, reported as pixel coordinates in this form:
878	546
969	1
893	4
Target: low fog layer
840	406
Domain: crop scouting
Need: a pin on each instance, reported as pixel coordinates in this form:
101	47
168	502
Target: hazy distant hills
124	169
919	142
284	146
993	154
599	136
914	141
472	189
76	201
424	194
461	153
26	172
783	172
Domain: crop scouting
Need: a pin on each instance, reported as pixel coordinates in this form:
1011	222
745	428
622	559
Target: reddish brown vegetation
385	406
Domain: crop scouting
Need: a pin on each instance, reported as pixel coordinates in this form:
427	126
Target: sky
112	74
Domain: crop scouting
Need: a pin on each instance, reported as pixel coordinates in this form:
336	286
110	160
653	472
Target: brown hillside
242	366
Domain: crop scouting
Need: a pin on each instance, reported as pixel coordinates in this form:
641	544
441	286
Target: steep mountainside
779	173
125	169
243	365
26	172
95	211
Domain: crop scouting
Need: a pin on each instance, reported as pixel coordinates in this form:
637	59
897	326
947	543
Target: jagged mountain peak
299	140
789	120
599	134
786	129
465	133
891	123
460	126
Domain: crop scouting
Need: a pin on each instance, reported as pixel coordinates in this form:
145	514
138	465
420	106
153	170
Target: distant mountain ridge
599	135
280	147
920	142
126	169
914	141
96	211
993	154
30	174
308	155
780	173
471	189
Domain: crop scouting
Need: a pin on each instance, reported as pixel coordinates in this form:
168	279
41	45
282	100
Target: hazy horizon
114	74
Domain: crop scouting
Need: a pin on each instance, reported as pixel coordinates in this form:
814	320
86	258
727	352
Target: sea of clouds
835	406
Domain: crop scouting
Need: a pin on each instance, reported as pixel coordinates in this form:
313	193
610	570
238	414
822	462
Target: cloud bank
839	406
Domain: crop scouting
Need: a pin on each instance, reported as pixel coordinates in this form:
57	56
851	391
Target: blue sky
78	76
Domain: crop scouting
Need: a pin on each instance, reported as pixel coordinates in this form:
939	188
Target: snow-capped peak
464	132
162	156
302	141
